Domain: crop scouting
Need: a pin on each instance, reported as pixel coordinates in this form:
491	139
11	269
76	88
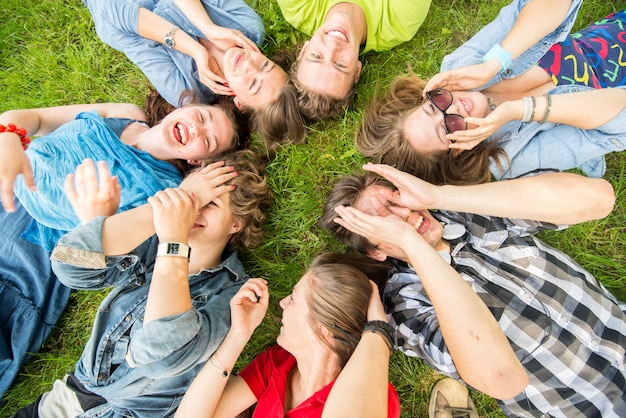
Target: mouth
181	134
338	33
467	105
237	60
197	225
420	223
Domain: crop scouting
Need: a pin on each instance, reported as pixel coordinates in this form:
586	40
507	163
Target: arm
479	348
537	19
559	198
362	386
38	122
211	393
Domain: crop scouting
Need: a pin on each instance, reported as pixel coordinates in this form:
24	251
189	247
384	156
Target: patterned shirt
566	329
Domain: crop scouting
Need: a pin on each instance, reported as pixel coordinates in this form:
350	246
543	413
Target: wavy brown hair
339	296
250	200
381	137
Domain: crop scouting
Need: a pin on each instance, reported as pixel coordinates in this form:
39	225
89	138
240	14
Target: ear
237	226
194	162
357	74
304	47
377	255
238	103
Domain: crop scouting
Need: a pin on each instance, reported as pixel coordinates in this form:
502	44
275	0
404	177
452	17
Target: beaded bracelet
548	105
502	55
21	132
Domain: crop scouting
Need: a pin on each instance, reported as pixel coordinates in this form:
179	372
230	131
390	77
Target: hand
483	127
375	308
13	162
390	230
248	306
208	183
464	78
413	193
226	38
211	74
92	192
174	213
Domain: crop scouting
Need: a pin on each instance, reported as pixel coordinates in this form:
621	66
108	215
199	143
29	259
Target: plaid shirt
566	329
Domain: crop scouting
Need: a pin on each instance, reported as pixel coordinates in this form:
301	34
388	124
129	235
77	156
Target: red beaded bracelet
21	132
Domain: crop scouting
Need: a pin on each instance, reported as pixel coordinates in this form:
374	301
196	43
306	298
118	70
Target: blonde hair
382	138
280	121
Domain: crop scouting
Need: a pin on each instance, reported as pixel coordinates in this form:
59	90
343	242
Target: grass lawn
51	55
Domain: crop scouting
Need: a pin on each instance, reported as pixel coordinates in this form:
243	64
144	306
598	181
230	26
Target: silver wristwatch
169	37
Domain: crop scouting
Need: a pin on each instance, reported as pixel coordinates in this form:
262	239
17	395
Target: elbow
502	383
602	201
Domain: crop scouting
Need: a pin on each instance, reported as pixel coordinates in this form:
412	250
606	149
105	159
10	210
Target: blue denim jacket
142	370
170	71
532	146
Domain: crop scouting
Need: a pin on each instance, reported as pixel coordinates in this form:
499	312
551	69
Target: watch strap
173	249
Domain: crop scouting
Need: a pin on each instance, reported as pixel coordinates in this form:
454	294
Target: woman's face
296	332
193	133
255	79
215	223
424	125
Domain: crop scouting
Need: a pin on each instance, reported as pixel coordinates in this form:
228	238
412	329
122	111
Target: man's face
371	203
329	62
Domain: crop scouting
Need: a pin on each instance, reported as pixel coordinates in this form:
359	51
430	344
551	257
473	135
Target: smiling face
296	332
215	223
425	224
255	79
329	62
424	126
193	133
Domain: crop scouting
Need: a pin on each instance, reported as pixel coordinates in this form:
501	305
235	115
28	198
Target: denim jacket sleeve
472	51
79	262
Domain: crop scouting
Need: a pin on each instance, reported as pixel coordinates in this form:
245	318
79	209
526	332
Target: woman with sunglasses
331	356
546	107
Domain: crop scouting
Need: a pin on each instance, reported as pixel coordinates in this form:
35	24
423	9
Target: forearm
203	396
362	386
479	348
559	198
123	232
196	13
536	20
169	289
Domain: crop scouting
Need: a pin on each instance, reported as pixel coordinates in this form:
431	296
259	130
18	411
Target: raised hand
13	162
92	191
248	306
208	183
210	73
482	128
174	213
464	78
375	308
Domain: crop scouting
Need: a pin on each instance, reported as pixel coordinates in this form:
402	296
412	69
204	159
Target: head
248	202
255	79
361	192
402	130
329	304
281	120
194	131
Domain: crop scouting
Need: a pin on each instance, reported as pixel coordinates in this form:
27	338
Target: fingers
256	291
7	197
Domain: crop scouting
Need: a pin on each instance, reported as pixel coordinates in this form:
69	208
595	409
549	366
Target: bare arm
560	198
479	348
362	386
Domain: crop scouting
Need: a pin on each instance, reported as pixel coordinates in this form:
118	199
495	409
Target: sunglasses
442	100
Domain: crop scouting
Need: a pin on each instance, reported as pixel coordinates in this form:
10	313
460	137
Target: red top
267	375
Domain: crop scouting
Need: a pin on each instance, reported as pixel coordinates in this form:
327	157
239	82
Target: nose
283	303
250	66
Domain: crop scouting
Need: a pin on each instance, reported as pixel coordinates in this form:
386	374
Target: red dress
267	378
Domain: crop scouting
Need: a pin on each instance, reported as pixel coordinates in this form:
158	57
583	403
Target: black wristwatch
385	330
169	37
174	249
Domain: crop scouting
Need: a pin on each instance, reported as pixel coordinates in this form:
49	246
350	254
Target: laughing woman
522	94
208	46
331	356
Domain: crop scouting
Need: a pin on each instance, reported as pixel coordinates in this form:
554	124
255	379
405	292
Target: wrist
501	55
384	330
173	249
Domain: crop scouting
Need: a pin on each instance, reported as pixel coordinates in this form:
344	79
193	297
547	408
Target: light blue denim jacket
531	146
170	71
141	370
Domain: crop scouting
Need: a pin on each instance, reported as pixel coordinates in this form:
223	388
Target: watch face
174	248
169	42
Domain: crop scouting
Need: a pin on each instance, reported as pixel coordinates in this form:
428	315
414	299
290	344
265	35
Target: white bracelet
528	109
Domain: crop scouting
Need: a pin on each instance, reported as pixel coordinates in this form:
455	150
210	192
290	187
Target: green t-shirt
389	22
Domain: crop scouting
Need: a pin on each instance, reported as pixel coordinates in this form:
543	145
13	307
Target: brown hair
339	296
315	106
280	121
157	108
249	200
347	192
381	137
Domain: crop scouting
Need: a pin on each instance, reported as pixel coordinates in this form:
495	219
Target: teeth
181	132
337	34
419	221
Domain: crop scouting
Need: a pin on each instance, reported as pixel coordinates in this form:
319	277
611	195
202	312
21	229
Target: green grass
52	56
